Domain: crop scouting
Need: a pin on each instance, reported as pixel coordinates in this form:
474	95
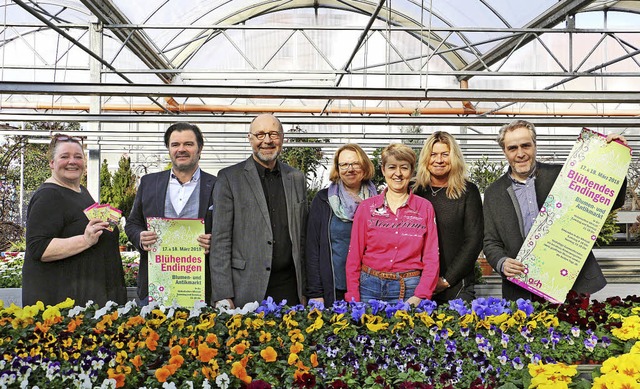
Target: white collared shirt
179	193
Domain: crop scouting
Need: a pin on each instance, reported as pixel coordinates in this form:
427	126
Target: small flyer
176	262
571	217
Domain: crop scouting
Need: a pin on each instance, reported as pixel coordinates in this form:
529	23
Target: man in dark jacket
185	191
511	204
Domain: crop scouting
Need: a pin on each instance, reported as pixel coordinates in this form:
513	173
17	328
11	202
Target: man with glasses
258	224
185	191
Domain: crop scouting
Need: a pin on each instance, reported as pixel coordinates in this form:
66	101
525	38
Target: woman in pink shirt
393	255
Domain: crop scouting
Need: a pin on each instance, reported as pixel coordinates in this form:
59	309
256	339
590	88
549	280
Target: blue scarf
343	203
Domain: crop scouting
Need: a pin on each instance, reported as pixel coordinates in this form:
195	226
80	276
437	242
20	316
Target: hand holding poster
176	262
572	215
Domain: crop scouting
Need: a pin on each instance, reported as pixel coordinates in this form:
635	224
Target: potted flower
123	240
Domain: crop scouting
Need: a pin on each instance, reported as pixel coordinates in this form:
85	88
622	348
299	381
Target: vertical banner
176	261
572	215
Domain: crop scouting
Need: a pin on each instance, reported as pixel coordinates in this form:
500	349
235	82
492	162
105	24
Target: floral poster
572	215
176	262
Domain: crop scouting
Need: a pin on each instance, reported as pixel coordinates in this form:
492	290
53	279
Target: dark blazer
504	230
319	265
149	202
241	250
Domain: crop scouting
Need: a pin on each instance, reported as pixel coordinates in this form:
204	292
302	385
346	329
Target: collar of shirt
263	171
195	178
532	176
381	200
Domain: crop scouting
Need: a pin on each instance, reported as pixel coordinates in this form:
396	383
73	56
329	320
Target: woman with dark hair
68	255
330	222
393	254
441	179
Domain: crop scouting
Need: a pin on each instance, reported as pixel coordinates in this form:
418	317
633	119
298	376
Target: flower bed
11	268
488	344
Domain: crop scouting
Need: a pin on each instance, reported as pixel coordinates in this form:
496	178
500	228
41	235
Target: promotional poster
570	220
176	262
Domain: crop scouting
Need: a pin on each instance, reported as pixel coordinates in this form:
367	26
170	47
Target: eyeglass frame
67	138
273	135
344	166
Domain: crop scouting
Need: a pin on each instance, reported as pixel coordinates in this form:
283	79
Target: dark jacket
149	202
504	230
318	250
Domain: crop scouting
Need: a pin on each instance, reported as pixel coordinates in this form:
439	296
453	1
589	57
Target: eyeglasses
261	135
346	166
66	138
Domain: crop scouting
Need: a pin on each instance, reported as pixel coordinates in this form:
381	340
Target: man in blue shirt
512	202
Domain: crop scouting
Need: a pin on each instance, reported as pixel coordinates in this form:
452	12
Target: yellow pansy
374	323
317	324
264	337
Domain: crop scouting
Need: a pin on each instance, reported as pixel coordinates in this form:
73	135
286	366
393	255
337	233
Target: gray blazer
504	230
241	235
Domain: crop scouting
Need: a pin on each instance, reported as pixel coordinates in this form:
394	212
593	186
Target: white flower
126	308
223	381
206	384
248	308
197	309
169	385
148	308
104	310
108	383
75	311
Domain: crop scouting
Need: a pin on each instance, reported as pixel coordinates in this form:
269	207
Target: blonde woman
441	179
393	254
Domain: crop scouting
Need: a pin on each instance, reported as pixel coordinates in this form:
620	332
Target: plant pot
487	270
123	248
11	296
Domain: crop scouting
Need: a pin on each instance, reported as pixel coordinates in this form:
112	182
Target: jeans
374	288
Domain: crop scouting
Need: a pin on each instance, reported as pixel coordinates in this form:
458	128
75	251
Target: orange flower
240	372
162	374
296	348
206	353
314	360
171	367
152	340
44	328
212	338
207	372
135	321
177	360
239	348
137	362
118	377
269	354
175	350
293	358
73	324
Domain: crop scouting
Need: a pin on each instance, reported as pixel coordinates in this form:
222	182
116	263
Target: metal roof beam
318	92
475	121
135	39
547	19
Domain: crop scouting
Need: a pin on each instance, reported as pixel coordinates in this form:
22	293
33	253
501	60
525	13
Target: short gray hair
514	125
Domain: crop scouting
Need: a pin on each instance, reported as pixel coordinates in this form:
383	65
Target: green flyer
176	262
570	220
